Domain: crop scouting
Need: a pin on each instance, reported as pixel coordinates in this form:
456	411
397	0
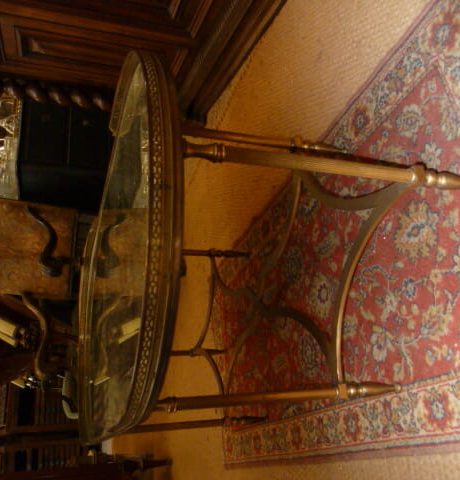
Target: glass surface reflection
115	266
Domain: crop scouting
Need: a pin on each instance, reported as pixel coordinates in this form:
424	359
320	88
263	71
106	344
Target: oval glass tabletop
131	268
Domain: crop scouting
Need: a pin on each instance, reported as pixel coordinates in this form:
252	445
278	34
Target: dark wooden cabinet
203	42
34	432
30	411
63	155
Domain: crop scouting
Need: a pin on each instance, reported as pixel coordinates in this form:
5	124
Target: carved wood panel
84	42
66	53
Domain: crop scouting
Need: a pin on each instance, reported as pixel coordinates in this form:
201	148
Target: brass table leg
191	424
324	162
168	426
198	349
212	252
304	157
342	391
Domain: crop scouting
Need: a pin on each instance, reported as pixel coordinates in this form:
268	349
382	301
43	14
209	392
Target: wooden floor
308	66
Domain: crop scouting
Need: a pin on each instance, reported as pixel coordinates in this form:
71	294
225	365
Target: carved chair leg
48	338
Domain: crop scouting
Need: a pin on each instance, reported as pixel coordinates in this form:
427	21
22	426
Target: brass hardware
342	392
214	152
302	155
295	144
197	351
320	164
356	390
442	180
254	296
298	144
161	427
305	157
200	132
212	252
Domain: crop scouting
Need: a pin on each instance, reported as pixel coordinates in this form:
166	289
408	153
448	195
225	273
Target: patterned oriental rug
403	309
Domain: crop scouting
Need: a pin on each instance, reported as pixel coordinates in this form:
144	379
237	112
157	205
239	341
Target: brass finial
442	180
347	391
214	152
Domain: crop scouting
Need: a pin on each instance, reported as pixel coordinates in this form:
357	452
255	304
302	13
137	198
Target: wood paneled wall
203	42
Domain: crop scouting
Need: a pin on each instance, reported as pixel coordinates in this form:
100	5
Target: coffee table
133	264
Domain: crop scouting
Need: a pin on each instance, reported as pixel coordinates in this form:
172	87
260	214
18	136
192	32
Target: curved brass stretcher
303	158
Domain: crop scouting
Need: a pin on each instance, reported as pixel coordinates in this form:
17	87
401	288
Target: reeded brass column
319	161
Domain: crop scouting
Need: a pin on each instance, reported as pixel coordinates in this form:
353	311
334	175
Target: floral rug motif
402	312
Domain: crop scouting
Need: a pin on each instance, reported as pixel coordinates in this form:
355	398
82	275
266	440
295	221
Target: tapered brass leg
191	424
212	252
198	349
290	144
200	132
343	391
338	163
186	425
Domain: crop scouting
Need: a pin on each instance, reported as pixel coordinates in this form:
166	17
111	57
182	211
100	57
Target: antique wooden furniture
62	150
117	467
84	42
34	343
37	259
34	433
36	245
132	264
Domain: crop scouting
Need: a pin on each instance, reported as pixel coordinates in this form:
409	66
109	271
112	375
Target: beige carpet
301	75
